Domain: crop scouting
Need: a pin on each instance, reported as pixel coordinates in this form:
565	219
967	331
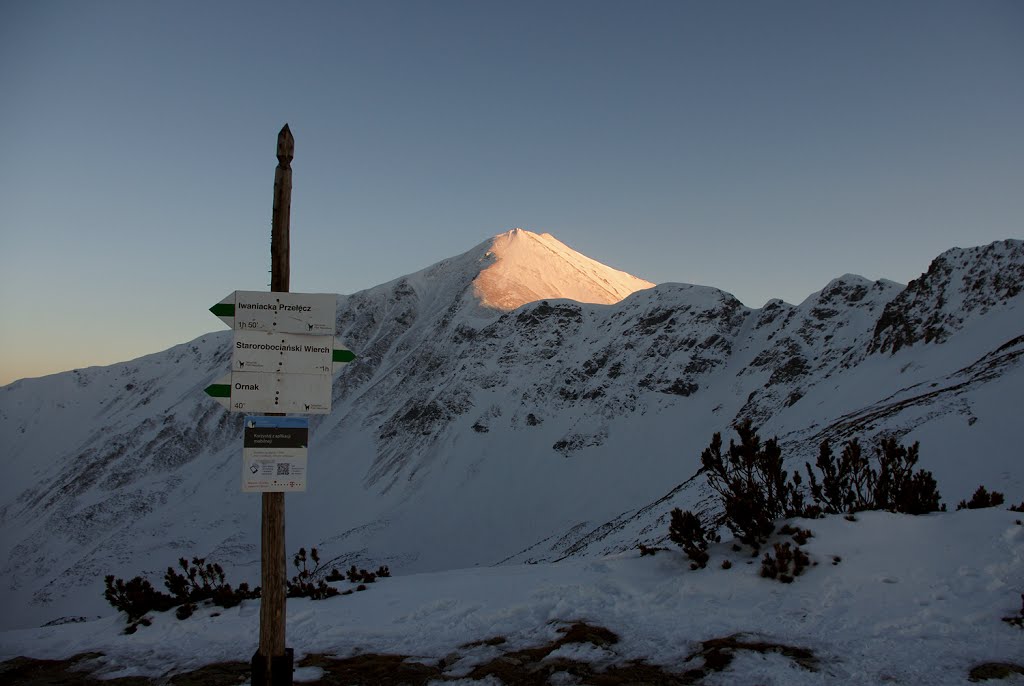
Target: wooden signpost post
276	660
283	356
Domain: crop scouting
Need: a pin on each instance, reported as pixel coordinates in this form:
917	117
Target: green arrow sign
218	390
343	355
223	309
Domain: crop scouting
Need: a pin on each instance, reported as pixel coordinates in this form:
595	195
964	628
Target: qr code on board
282	468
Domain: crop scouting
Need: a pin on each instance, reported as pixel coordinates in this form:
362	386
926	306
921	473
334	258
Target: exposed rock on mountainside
959	285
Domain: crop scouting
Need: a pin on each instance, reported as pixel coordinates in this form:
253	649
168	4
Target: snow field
913	600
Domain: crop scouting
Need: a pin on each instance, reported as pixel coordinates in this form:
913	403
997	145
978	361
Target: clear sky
760	147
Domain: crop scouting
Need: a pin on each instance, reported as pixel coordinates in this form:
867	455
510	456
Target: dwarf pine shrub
1018	619
136	598
899	488
981	499
197	582
852	484
754	488
687	531
847	484
306	583
787	563
756	492
361	576
648	550
201	581
799	535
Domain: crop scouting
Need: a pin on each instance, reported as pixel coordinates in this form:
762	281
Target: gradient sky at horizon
760	147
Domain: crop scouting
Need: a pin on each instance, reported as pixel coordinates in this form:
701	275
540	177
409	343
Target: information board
275	454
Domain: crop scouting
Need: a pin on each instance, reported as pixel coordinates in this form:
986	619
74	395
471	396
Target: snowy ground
912	600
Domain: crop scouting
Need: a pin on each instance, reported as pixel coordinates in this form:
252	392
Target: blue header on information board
259	422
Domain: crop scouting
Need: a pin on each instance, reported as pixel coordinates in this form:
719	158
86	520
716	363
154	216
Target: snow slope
467	435
911	600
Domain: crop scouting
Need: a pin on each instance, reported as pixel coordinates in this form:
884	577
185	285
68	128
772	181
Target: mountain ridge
465	435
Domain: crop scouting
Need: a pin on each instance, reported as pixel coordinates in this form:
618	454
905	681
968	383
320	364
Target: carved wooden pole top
285	148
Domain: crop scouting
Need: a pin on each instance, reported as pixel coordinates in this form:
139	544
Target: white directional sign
271	392
308	313
283	352
287	353
292	353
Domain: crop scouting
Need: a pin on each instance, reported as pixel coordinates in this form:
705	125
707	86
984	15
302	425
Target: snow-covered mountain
519	402
526	267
